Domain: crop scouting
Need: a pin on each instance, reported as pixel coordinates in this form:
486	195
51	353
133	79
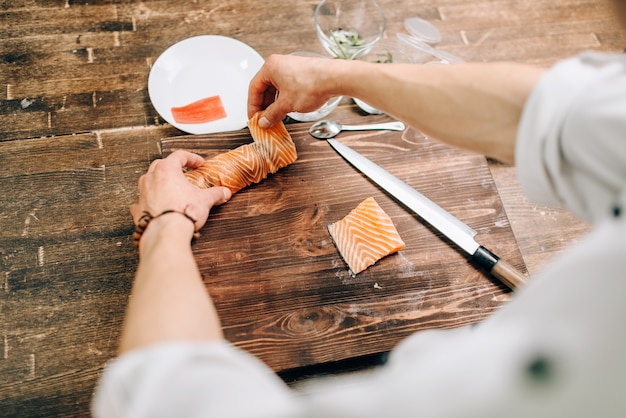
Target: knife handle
500	269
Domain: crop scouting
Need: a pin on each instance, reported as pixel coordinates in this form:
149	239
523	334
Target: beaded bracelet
145	219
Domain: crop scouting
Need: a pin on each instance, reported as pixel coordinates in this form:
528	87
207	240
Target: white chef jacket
556	349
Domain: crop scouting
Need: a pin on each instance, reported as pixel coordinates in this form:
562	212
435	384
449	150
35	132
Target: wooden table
77	129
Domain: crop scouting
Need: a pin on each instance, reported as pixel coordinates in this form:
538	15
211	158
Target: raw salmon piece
271	150
201	111
281	151
234	169
365	235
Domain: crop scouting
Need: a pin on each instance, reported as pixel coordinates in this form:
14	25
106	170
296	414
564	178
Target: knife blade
450	226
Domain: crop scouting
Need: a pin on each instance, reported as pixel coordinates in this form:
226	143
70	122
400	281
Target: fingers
217	195
271	116
209	198
267	120
152	166
259	96
180	159
287	83
263	87
186	159
164	187
264	97
226	195
258	92
263	93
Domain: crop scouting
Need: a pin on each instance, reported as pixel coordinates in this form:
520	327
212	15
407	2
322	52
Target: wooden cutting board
283	291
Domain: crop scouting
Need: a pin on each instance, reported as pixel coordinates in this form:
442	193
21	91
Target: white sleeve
570	148
190	380
554	350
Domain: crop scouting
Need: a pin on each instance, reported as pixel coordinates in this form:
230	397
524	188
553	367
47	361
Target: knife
458	232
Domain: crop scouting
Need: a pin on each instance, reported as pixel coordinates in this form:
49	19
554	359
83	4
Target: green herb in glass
347	42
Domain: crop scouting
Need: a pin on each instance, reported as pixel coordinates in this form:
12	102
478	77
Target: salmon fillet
200	111
271	150
365	235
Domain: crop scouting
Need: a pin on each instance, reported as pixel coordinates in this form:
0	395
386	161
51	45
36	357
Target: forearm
169	300
476	106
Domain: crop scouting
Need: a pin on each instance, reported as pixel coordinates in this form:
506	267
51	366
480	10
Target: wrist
171	225
343	77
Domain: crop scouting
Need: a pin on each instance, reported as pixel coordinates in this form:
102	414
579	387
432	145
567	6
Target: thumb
272	115
135	212
212	196
217	195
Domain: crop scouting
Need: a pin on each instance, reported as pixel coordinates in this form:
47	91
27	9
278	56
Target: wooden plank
66	263
33	117
279	284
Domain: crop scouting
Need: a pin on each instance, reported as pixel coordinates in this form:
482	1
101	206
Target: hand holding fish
164	189
289	83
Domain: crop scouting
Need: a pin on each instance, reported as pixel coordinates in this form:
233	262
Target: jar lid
424	50
423	30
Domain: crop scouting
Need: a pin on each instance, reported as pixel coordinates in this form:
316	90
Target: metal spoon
325	129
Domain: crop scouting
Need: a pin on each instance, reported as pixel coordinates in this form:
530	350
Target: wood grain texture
77	129
283	291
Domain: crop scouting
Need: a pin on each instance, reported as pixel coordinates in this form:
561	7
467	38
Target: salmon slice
201	111
276	141
365	235
271	150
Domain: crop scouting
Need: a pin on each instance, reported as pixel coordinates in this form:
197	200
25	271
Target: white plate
200	67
